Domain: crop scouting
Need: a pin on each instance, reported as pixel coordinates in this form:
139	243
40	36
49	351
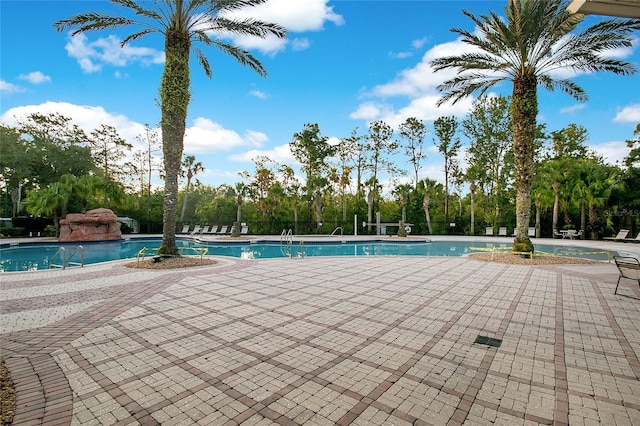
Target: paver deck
367	340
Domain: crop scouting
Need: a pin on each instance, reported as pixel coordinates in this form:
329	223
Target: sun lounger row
622	236
212	230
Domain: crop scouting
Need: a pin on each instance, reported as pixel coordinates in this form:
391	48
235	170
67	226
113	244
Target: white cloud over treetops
419	85
202	136
628	114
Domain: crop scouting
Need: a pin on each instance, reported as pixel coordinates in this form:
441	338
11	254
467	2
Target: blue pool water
27	257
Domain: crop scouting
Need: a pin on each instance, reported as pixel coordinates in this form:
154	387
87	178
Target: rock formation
94	225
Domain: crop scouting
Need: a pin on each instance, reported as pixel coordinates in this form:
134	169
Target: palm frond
91	22
246	26
137	35
566	86
147	13
234	4
243	57
465	85
204	62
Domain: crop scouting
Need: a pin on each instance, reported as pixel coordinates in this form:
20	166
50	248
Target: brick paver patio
367	340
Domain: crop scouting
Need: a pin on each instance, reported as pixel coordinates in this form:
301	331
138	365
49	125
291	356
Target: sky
343	64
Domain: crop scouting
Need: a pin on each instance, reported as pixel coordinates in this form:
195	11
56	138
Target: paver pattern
322	341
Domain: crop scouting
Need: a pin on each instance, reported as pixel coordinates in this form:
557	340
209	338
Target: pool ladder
66	258
286	244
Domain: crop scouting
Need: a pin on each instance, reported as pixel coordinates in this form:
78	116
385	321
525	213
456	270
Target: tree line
51	167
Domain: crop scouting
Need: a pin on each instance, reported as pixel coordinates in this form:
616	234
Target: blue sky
343	64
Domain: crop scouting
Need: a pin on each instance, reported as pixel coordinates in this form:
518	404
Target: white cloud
7	88
258	94
417	44
93	55
88	118
401	55
613	152
628	114
35	77
419	85
370	111
298	44
207	136
295	15
280	154
572	109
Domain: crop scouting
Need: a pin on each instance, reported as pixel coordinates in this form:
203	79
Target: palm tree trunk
556	207
184	202
175	96
425	205
524	109
537	205
472	191
369	209
583	218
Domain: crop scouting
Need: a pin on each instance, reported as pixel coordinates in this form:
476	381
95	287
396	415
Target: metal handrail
62	252
66	260
200	251
143	251
336	230
301	252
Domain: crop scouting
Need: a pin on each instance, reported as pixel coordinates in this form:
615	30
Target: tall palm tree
536	39
181	22
191	168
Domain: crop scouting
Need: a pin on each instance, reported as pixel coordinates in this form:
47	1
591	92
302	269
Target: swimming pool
34	256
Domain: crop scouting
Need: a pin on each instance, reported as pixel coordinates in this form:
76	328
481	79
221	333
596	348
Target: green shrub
15	231
49	231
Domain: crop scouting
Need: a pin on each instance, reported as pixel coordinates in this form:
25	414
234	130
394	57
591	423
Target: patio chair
196	229
488	232
621	235
213	230
204	230
244	230
502	232
633	240
629	268
531	231
222	230
185	229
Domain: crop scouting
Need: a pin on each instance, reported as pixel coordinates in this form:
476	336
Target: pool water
28	257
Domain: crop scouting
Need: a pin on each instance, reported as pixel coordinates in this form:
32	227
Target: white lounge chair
185	229
532	231
633	240
196	230
244	230
222	230
204	230
488	232
213	230
629	268
502	232
621	235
